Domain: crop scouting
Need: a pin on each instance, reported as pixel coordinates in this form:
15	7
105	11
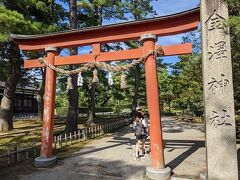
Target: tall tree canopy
21	17
234	23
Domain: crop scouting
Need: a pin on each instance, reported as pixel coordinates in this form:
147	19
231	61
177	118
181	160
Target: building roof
2	85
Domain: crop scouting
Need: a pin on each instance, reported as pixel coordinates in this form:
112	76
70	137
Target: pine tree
21	17
138	10
187	79
234	23
92	13
72	116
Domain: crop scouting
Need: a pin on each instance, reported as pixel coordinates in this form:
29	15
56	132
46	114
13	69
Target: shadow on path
107	169
117	139
182	144
170	125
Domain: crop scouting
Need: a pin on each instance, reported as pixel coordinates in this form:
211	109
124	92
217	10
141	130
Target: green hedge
164	113
62	111
237	118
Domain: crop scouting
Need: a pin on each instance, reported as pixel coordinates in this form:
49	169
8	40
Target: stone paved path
112	157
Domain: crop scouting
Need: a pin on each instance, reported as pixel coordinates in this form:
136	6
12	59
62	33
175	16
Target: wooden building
25	101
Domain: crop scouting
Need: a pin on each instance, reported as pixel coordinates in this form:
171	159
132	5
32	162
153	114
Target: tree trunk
40	96
105	100
92	88
7	103
169	105
136	89
91	103
99	12
72	117
137	69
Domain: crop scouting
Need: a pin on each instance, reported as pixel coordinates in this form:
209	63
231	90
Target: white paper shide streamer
80	79
110	79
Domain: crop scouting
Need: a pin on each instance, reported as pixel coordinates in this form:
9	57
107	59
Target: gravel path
112	157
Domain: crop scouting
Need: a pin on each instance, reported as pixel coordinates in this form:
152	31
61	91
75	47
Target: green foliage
136	92
4	70
183	87
234	23
25	17
13	22
165	83
187	82
61	100
233	6
92	12
237	118
139	9
62	110
47	11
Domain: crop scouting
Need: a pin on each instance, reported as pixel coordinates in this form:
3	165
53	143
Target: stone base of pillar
158	174
45	162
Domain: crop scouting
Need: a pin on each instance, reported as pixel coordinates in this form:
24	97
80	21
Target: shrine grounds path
112	156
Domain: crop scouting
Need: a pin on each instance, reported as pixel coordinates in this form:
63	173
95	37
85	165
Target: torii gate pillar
157	169
46	158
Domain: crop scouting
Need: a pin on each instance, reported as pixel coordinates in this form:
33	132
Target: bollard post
70	138
65	139
8	156
16	154
75	135
60	141
79	135
34	150
55	142
26	151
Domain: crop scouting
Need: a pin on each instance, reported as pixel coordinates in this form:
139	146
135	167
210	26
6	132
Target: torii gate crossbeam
177	49
148	30
161	26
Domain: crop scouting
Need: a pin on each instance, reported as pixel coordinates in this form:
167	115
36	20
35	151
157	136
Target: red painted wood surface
96	49
177	49
156	141
49	103
163	26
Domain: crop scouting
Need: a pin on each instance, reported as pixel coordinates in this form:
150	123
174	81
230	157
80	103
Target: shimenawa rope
103	66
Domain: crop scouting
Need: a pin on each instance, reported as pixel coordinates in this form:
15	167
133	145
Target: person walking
140	133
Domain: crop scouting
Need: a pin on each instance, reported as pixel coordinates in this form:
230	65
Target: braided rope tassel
95	76
69	83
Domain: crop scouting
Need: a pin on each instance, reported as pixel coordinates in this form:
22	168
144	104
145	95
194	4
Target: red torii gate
147	30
